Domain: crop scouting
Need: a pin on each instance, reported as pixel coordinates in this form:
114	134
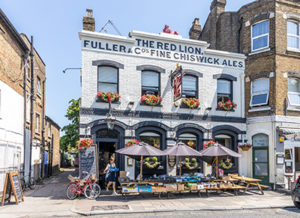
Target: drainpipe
25	108
43	130
31	102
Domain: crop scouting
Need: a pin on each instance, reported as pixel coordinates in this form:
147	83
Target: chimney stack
88	21
217	7
195	30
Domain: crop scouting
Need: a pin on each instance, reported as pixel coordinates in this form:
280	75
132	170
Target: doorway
261	157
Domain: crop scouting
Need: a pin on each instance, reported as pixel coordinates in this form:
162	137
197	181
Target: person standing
111	177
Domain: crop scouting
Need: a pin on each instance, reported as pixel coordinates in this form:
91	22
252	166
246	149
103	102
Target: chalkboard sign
88	162
12	185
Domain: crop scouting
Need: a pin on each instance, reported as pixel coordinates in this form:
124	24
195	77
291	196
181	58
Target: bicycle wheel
92	191
32	184
72	191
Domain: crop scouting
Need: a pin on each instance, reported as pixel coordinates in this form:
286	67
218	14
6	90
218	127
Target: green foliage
68	142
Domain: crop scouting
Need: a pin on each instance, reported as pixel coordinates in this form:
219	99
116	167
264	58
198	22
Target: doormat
110	207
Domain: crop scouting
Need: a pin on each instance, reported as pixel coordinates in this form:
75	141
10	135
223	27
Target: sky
55	24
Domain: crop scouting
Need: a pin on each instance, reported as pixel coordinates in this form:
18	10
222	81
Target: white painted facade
11	131
130	86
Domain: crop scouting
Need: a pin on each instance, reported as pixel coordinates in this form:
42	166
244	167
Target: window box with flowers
85	143
151	100
226	106
245	146
209	144
192	103
108	97
132	142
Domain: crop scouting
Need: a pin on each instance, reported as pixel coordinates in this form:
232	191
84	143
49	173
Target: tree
69	140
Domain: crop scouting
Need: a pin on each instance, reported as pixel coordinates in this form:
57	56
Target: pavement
49	200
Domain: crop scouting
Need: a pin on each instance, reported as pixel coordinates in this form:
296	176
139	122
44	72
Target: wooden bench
262	186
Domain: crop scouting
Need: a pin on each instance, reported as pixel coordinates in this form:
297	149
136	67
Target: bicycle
31	184
77	186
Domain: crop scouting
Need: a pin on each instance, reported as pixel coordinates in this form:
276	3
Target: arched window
189	139
190	86
151	138
260	140
108	79
150	83
225	140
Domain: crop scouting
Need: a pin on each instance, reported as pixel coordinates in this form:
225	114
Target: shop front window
224	140
189	139
151	138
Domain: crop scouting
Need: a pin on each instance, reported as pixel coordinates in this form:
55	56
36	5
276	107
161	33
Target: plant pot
245	148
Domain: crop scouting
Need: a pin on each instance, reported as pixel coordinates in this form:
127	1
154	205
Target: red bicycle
77	186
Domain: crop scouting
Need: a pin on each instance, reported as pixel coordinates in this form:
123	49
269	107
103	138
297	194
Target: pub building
173	68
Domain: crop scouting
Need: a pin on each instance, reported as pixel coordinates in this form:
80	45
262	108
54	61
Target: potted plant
227	105
151	100
191	102
108	96
132	142
245	146
85	143
208	144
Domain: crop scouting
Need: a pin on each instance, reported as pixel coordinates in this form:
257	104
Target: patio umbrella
181	150
141	150
218	150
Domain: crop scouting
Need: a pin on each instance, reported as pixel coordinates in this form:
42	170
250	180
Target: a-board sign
88	162
13	186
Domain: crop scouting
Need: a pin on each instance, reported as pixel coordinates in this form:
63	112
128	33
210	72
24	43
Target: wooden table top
246	179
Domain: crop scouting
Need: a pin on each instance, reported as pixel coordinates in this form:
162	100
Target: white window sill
293	108
27	121
36	132
259	51
262	108
39	95
293	50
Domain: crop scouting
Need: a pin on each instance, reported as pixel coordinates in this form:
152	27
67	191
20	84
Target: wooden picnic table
250	181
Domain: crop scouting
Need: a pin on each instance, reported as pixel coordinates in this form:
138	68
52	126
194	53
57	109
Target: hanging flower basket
151	162
191	102
151	100
191	164
108	96
85	143
208	144
132	142
245	146
227	106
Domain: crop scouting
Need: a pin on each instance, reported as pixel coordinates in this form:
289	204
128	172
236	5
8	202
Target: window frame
256	37
28	107
294	93
37	124
38	86
292	35
159	81
98	81
231	89
197	85
260	93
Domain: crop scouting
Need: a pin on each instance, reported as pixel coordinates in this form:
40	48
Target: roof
48	119
14	32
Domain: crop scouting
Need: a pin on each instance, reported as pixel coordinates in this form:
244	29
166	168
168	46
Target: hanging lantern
191	143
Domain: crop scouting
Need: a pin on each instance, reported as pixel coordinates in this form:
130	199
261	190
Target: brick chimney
88	21
195	30
217	7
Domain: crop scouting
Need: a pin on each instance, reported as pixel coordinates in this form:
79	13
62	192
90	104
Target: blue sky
55	25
